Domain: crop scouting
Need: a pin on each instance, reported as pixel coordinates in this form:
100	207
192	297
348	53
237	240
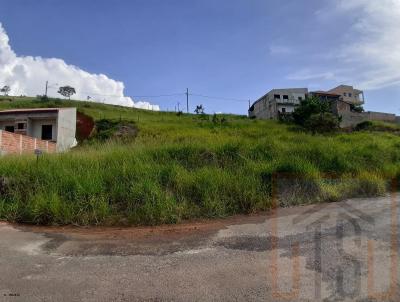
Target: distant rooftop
346	86
26	110
321	92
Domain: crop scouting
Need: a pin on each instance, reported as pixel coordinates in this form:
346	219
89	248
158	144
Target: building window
349	94
21	126
47	132
283	110
285	97
300	98
277	96
345	94
9	128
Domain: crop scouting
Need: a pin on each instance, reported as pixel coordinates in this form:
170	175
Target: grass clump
378	126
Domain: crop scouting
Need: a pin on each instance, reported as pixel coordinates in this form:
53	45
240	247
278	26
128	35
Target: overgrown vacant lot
181	167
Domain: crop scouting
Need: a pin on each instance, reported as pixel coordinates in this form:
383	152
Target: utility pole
178	107
249	104
47	83
187	100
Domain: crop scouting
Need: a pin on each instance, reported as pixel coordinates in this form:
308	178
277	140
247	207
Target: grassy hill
182	167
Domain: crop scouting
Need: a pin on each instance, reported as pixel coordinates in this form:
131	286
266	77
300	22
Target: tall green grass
183	167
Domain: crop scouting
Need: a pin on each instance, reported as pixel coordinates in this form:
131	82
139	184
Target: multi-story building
276	102
349	94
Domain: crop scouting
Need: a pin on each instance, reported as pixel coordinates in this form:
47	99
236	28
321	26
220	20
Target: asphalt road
343	251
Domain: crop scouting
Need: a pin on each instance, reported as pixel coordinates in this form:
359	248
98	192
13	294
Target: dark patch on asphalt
263	244
247	243
56	240
362	226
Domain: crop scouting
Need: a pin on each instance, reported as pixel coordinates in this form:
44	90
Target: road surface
343	251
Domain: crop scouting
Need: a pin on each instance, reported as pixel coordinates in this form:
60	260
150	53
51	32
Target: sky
145	53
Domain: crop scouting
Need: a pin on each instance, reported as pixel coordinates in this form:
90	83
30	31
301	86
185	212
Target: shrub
356	108
106	129
322	123
314	114
363	126
307	108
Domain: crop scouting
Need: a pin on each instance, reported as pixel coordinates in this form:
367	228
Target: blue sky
229	48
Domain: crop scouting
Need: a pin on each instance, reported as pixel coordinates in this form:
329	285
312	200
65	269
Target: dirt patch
84	126
125	131
159	240
106	129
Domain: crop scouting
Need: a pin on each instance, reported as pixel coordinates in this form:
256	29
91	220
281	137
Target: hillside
182	167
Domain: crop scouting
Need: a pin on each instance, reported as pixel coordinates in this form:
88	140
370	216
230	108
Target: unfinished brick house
46	129
342	98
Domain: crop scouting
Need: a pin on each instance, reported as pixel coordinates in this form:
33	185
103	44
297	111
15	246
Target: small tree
309	106
322	122
6	89
316	116
67	91
199	109
215	119
356	108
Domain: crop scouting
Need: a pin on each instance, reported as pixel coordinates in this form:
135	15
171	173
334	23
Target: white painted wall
66	129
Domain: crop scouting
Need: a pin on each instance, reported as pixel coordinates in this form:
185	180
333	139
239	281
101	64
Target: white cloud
280	50
374	50
368	48
27	76
307	74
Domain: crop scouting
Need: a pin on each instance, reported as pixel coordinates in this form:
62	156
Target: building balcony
357	102
287	101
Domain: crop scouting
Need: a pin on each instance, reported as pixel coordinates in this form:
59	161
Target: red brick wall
52	148
28	144
42	145
12	143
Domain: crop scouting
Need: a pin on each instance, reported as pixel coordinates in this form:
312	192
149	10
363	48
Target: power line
172	94
134	96
157	96
219	98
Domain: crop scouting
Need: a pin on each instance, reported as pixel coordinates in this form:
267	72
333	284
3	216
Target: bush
106	129
356	108
314	114
363	126
378	126
308	107
322	123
